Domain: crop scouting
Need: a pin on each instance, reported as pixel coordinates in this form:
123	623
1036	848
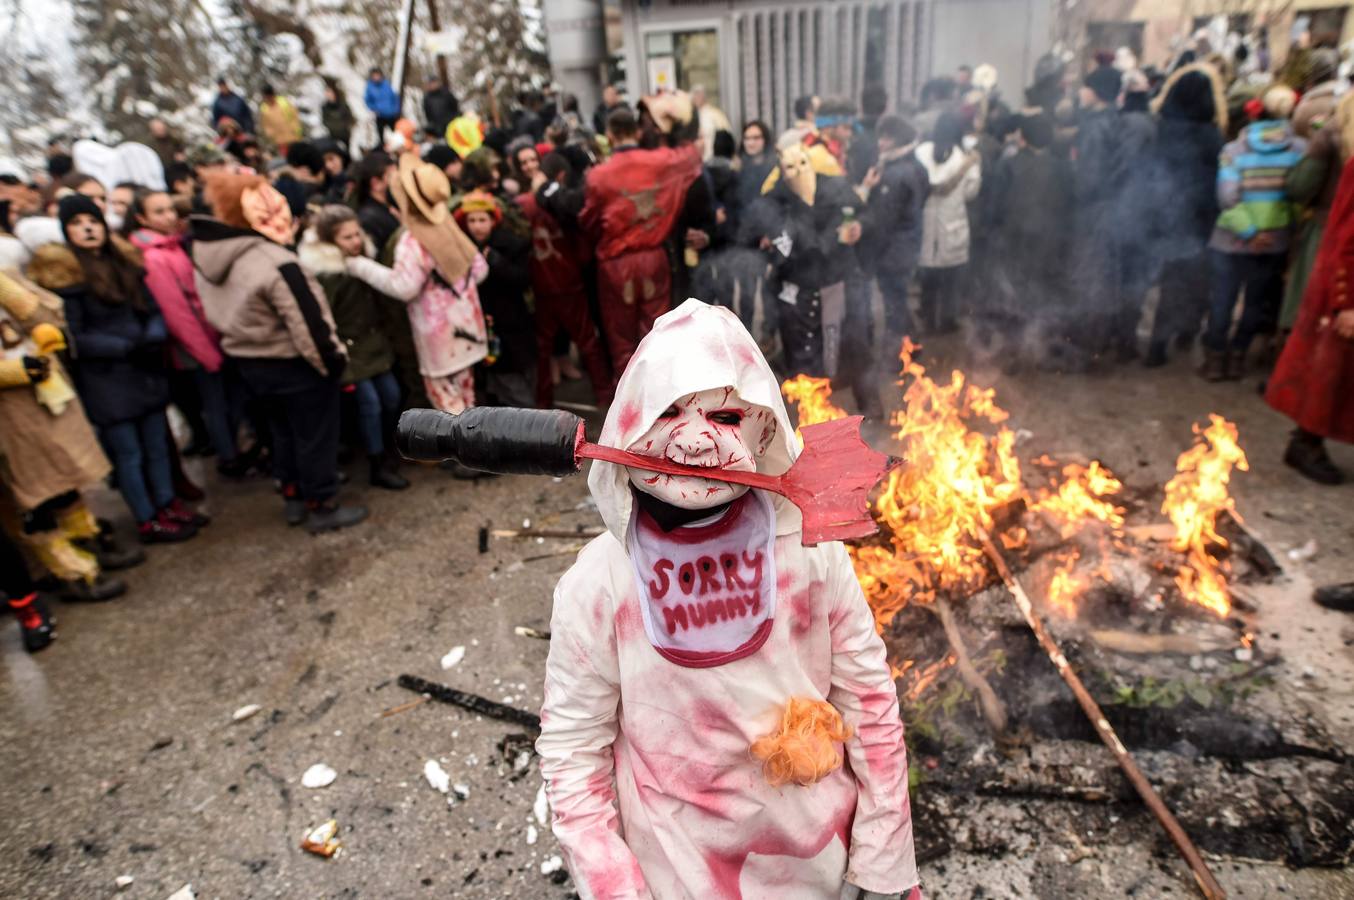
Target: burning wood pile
1138	595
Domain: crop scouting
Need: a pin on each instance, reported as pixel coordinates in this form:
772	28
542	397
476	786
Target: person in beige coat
275	323
48	450
955	176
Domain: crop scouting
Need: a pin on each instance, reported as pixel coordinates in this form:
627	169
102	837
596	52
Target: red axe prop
830	482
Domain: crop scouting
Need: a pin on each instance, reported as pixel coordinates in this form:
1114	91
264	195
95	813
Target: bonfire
951	514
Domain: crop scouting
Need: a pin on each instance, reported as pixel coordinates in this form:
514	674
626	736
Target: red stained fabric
1313	382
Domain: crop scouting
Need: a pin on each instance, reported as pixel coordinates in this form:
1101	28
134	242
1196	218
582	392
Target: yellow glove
13	373
48	339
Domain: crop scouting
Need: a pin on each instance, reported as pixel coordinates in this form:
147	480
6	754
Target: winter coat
446	319
42	455
381	99
806	248
379	223
646	760
723	180
892	220
1185	167
945	226
337	118
503	299
173	284
279	122
232	106
264	304
1032	201
1313	381
752	174
354	305
118	349
1257	212
557	255
1098	158
439	108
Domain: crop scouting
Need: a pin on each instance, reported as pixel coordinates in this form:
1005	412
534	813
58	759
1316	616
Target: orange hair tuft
223	191
804	749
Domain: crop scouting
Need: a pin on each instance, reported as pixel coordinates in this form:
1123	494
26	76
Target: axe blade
831	481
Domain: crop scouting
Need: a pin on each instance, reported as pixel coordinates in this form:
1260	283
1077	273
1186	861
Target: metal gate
829	49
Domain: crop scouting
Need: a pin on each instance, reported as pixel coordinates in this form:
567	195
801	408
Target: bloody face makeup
713	428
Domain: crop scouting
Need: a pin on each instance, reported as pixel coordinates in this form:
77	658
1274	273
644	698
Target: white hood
696	347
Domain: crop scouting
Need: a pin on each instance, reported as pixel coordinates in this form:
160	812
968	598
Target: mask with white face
114	220
713	428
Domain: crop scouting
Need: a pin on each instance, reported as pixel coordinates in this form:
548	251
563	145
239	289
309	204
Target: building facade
754	58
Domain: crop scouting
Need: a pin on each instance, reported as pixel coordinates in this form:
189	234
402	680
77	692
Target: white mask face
713	428
114	220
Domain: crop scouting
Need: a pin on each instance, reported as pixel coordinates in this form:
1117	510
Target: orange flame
811	396
935	507
1194	498
1081	497
961	468
1065	586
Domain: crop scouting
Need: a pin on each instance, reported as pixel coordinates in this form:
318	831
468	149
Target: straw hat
425	186
421	192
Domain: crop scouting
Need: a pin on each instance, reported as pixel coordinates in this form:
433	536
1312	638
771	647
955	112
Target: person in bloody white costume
694	640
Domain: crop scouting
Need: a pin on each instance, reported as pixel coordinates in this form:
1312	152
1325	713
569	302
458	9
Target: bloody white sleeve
881	854
578	728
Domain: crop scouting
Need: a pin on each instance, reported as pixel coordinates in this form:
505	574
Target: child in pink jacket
195	345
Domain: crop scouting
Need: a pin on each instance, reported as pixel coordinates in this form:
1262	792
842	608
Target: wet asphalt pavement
120	756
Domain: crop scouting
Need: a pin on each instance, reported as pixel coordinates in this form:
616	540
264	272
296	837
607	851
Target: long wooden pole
435	20
1208	885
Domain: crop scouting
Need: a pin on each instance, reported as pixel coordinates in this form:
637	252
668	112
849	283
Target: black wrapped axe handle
494	439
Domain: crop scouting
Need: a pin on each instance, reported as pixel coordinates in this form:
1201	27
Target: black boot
99	590
110	552
35	621
1307	453
1336	596
383	475
1156	355
1215	366
329	516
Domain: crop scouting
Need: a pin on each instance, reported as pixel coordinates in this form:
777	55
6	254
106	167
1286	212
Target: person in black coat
1096	249
510	370
1133	212
809	245
898	187
440	106
1185	173
118	337
1032	204
371	194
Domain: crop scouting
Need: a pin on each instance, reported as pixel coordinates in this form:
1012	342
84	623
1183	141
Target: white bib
707	592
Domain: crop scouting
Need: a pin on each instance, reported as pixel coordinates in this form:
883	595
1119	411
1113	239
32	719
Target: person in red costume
1313	382
557	259
633	202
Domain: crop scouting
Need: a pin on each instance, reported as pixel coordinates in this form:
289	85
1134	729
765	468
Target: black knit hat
72	205
1104	82
440	155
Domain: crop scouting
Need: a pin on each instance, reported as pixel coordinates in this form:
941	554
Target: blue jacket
233	105
381	99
